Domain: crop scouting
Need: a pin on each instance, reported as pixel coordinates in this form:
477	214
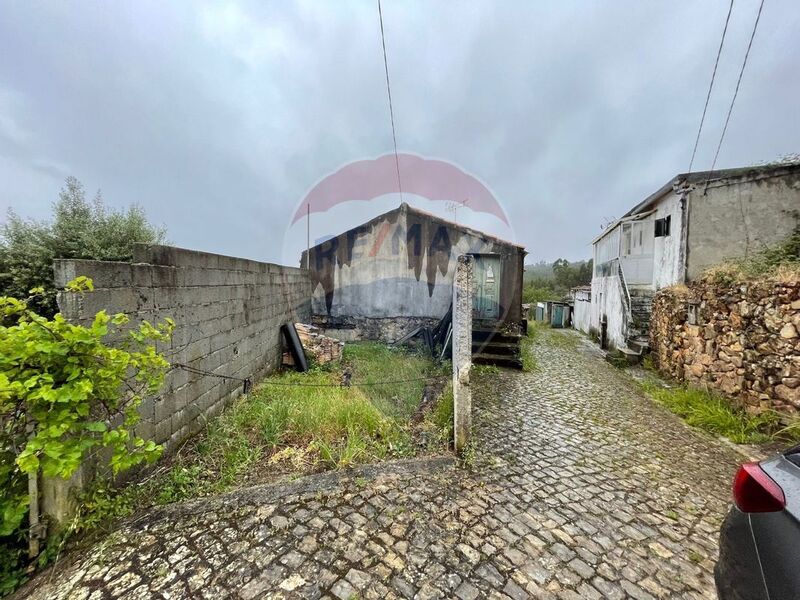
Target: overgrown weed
713	413
780	261
296	423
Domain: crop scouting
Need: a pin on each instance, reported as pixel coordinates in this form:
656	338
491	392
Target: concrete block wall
228	312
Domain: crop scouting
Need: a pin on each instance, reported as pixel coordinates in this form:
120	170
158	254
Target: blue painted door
558	316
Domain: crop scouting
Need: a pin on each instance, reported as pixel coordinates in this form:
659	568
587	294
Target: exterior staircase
638	337
494	346
638	307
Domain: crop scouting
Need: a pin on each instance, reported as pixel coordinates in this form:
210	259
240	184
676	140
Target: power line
391	108
736	91
711	85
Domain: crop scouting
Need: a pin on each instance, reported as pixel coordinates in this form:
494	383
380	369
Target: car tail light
755	491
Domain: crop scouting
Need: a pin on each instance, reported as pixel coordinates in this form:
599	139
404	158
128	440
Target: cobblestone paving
582	488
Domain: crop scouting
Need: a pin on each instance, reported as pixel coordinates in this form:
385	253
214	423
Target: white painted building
694	221
582	308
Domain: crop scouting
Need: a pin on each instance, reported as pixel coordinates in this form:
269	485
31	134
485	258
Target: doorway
488	275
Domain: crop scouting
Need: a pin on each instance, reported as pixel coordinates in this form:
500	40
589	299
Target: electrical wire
391	107
711	85
736	91
247	380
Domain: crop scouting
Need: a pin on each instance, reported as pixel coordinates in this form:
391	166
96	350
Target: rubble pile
319	348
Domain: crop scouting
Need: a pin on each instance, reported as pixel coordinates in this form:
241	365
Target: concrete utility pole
462	350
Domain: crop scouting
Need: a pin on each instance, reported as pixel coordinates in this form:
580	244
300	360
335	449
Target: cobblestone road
582	488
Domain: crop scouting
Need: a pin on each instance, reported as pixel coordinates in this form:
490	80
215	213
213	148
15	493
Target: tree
79	229
572	275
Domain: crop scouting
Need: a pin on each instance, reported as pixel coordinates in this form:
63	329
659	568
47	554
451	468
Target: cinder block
163	408
162	431
63	271
164	276
104	274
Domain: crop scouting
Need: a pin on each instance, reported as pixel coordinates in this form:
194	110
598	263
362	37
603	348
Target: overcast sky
218	117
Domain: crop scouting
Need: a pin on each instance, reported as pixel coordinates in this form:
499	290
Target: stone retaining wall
742	340
228	313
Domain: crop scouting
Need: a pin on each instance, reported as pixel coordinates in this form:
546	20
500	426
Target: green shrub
63	394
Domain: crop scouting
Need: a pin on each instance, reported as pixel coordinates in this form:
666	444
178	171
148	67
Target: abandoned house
696	220
394	273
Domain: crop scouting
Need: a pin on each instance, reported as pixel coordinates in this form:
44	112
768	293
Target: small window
663	226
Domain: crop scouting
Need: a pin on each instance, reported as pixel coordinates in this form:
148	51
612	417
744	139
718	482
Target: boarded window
663	226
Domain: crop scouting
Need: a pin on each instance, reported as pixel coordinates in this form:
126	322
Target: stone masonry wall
743	341
228	313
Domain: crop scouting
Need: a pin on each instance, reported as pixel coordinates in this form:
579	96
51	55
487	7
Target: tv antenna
454	206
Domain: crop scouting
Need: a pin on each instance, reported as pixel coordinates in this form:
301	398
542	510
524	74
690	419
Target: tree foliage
553	282
79	229
65	393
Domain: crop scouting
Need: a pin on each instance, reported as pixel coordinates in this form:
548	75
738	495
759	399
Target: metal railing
624	284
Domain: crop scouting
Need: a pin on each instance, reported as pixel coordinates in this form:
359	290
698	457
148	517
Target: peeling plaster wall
607	300
582	311
736	217
667	259
400	266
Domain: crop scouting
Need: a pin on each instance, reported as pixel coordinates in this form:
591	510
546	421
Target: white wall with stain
667	260
402	264
582	310
607	301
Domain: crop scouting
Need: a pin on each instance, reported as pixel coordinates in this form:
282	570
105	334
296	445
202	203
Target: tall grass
443	414
715	414
303	422
372	362
526	347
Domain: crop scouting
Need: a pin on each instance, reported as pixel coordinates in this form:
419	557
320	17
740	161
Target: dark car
759	545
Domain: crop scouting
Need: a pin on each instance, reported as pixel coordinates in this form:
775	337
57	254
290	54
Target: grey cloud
218	118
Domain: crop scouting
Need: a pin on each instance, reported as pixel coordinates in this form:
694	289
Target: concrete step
494	335
505	348
640	293
501	360
639	344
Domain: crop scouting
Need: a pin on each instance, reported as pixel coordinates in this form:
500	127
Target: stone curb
270	493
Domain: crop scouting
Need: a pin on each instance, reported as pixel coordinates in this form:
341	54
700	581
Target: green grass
714	414
304	422
556	338
373	362
526	348
442	416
